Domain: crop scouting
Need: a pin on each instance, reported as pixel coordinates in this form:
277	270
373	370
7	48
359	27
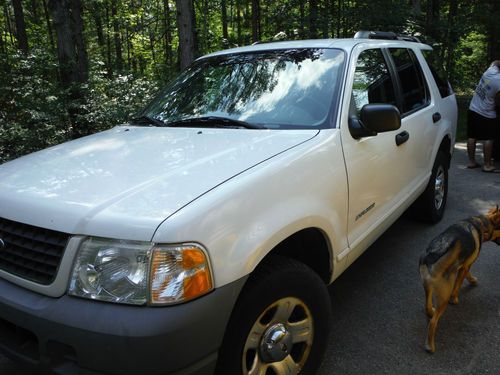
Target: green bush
32	114
35	111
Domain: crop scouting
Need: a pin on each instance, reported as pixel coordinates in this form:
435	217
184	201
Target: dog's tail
424	271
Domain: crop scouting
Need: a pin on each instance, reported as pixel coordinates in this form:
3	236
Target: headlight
139	272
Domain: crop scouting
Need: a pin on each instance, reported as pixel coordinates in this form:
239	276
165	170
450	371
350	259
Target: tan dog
447	262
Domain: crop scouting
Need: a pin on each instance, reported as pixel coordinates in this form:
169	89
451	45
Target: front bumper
69	335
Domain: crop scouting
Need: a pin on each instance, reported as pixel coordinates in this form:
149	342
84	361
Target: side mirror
375	118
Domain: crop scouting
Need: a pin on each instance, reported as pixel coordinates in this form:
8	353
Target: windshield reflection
278	89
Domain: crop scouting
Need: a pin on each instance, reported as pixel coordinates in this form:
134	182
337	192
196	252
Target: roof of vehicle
344	44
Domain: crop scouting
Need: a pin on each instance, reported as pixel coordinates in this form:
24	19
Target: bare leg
471	152
488	149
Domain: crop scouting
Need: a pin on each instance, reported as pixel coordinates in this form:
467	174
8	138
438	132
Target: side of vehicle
385	176
275	234
397	173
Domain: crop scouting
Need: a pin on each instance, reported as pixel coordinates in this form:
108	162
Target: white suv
201	236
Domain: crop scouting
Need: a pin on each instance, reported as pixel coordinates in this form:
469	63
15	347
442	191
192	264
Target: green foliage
109	102
35	112
132	48
472	61
32	109
366	15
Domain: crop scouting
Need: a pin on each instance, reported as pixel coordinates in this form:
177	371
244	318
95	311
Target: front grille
30	252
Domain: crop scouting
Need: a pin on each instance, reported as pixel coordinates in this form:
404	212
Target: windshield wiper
215	121
149	120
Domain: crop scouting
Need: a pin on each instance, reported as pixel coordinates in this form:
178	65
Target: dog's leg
443	291
471	279
427	284
430	345
458	284
429	309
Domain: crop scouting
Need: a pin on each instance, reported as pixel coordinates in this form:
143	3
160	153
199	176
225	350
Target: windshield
273	89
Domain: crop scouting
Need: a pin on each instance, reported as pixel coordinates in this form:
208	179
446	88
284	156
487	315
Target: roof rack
388	35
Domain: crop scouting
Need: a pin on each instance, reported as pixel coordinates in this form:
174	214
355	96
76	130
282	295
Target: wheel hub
439	188
276	343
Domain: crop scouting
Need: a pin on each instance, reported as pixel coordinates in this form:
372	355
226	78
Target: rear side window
372	81
438	73
414	89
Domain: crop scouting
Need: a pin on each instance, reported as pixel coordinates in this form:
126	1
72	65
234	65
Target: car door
420	116
377	167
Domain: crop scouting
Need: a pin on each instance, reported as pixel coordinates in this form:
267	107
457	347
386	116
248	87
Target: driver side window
372	81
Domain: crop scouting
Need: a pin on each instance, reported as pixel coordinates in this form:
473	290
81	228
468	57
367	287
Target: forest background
69	68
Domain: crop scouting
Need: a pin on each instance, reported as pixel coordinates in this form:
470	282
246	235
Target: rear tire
280	324
432	203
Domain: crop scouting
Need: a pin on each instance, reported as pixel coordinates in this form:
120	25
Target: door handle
402	137
436	117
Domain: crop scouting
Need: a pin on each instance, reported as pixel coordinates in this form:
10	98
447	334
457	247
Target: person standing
481	117
496	143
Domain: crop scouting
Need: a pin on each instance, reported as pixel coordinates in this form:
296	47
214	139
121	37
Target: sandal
491	170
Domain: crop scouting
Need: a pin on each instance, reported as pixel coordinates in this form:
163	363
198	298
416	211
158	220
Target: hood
122	183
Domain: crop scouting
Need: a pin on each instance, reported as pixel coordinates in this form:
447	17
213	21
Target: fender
241	221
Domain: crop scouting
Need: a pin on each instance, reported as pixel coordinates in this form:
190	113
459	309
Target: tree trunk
325	18
66	51
255	21
492	27
8	22
3	48
49	27
72	56
117	36
35	17
152	45
432	15
206	18
452	37
22	38
225	34
101	42
238	21
333	17
77	29
185	28
168	33
416	8
71	51
302	16
108	45
313	19
96	15
339	17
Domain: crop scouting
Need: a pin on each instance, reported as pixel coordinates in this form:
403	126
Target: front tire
280	323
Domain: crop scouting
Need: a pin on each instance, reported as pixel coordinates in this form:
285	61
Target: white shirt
483	101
